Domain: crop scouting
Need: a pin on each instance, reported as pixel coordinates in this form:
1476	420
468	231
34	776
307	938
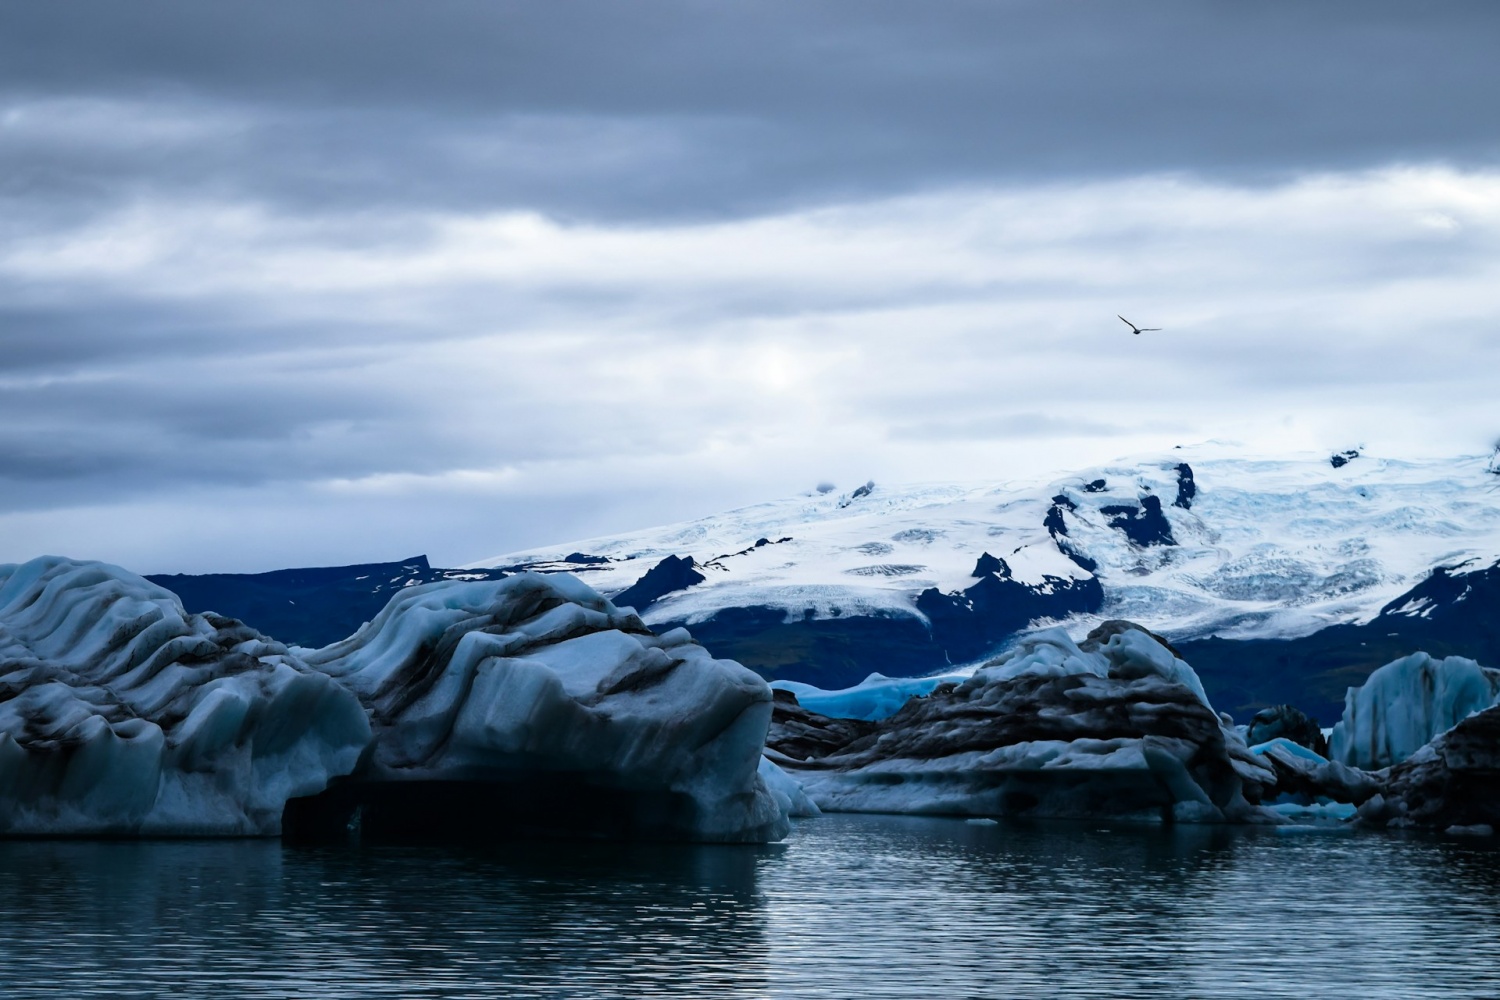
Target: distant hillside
1280	581
1454	612
308	607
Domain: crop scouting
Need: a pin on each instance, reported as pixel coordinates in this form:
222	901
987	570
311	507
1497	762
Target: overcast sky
300	283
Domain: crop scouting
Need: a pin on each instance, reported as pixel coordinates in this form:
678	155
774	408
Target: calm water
850	906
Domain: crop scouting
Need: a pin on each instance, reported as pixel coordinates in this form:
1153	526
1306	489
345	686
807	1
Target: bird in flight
1136	329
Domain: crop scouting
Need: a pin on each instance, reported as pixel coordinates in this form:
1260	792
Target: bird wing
1127	322
1145	329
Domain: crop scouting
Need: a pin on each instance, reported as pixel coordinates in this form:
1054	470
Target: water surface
849	906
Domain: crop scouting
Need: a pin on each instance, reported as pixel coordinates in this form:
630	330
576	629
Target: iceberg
1451	784
1406	703
788	793
532	704
464	708
1305	778
876	697
1113	726
121	715
1285	721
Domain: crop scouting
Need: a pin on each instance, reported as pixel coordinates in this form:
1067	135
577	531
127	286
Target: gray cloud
670	108
295	282
1002	426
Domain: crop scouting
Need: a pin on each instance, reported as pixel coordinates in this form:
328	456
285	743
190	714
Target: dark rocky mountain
1144	525
838	651
1455	611
672	574
320	605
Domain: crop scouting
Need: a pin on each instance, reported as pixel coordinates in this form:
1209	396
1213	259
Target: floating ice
1113	726
876	697
1406	703
1305	778
787	791
532	703
465	707
1335	811
1454	781
122	715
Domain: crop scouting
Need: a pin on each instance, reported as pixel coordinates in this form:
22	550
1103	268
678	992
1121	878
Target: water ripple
867	907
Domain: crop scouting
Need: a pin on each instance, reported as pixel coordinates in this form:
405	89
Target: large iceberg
1405	704
1114	726
534	704
120	714
482	708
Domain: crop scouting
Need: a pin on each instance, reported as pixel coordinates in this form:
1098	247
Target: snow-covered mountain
1193	543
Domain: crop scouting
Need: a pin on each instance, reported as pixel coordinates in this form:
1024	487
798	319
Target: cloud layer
282	290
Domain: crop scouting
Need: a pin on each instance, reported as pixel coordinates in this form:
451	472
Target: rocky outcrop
1187	487
1113	726
672	574
1145	525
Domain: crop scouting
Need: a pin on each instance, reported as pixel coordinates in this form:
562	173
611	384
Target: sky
292	282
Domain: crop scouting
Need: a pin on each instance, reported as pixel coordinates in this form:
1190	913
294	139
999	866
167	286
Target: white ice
1268	548
1404	704
125	716
539	674
787	791
1128	654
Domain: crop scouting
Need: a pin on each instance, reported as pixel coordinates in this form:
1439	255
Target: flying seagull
1137	329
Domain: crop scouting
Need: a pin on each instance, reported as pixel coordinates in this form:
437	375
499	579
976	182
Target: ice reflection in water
867	907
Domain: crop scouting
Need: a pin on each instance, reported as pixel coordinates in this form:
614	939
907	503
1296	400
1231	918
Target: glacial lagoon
848	906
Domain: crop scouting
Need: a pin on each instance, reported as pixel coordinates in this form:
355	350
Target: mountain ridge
1282	580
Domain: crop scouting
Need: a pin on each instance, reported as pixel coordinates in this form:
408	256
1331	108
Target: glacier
1205	544
1403	705
1262	547
528	703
